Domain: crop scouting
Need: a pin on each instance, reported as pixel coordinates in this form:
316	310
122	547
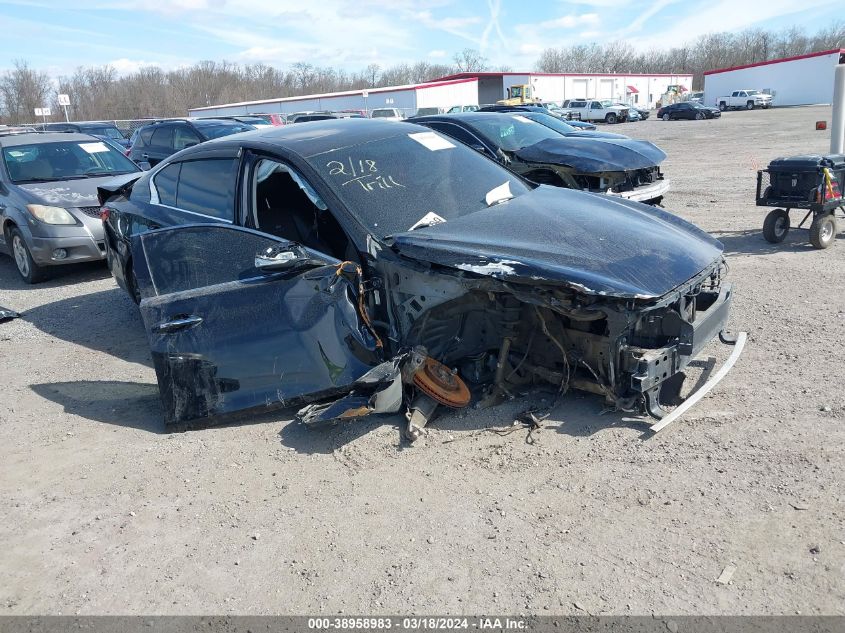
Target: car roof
37	138
469	117
317	137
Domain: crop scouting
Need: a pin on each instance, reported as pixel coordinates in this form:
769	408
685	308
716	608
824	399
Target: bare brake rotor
441	384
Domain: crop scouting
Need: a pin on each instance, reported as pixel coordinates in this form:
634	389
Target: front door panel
226	336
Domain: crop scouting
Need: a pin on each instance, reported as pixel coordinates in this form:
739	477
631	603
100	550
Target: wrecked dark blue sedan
358	266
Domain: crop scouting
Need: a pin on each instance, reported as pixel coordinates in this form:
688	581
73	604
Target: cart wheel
823	230
776	226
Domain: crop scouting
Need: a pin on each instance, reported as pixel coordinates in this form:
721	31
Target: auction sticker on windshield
431	140
94	148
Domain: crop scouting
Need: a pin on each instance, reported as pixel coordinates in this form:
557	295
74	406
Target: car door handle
179	323
145	155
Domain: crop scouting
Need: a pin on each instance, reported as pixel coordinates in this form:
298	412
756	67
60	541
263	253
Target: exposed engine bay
463	332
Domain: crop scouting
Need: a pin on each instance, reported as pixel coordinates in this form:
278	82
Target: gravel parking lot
105	513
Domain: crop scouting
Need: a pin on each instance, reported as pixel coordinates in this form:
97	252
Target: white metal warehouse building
467	89
802	80
643	90
407	98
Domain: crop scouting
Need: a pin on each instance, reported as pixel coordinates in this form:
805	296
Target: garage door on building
579	89
605	89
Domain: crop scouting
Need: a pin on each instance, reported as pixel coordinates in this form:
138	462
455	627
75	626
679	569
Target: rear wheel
749	105
610	118
31	272
776	226
722	106
823	230
666	117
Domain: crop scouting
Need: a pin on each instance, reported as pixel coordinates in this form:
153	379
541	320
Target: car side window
162	137
165	182
596	105
202	256
183	137
208	187
146	135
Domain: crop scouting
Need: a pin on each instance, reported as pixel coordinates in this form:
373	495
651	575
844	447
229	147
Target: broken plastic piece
377	391
714	380
7	315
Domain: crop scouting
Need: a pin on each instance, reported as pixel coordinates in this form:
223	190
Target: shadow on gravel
59	275
577	415
751	242
105	321
129	404
325	440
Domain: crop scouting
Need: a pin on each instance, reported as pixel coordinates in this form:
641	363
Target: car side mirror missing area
281	257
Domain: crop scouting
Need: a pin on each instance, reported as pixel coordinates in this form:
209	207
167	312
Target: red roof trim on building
487	74
328	95
776	61
632	90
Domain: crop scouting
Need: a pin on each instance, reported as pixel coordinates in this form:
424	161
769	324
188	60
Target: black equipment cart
813	183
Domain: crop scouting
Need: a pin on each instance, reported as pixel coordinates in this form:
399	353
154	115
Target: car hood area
67	193
594	243
591	155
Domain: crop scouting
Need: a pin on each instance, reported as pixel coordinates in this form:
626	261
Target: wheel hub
442	384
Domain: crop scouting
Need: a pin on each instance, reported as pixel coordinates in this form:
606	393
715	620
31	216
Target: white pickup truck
598	110
746	99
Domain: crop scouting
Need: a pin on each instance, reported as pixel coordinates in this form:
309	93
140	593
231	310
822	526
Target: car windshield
413	179
66	160
607	103
216	130
551	122
511	132
751	92
110	132
377	114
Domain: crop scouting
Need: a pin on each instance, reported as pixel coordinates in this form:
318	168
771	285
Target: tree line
708	52
100	92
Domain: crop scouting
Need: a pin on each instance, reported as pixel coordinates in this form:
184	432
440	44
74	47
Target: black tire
29	271
610	118
823	230
666	117
776	226
749	105
722	106
698	116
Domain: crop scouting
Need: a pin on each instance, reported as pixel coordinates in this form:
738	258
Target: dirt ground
102	512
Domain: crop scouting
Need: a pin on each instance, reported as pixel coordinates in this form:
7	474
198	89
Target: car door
237	319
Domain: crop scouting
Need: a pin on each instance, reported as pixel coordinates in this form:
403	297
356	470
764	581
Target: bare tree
470	60
23	89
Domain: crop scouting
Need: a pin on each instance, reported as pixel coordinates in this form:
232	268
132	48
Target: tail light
104	213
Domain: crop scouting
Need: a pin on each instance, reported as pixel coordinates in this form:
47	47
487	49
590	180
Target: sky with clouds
57	36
